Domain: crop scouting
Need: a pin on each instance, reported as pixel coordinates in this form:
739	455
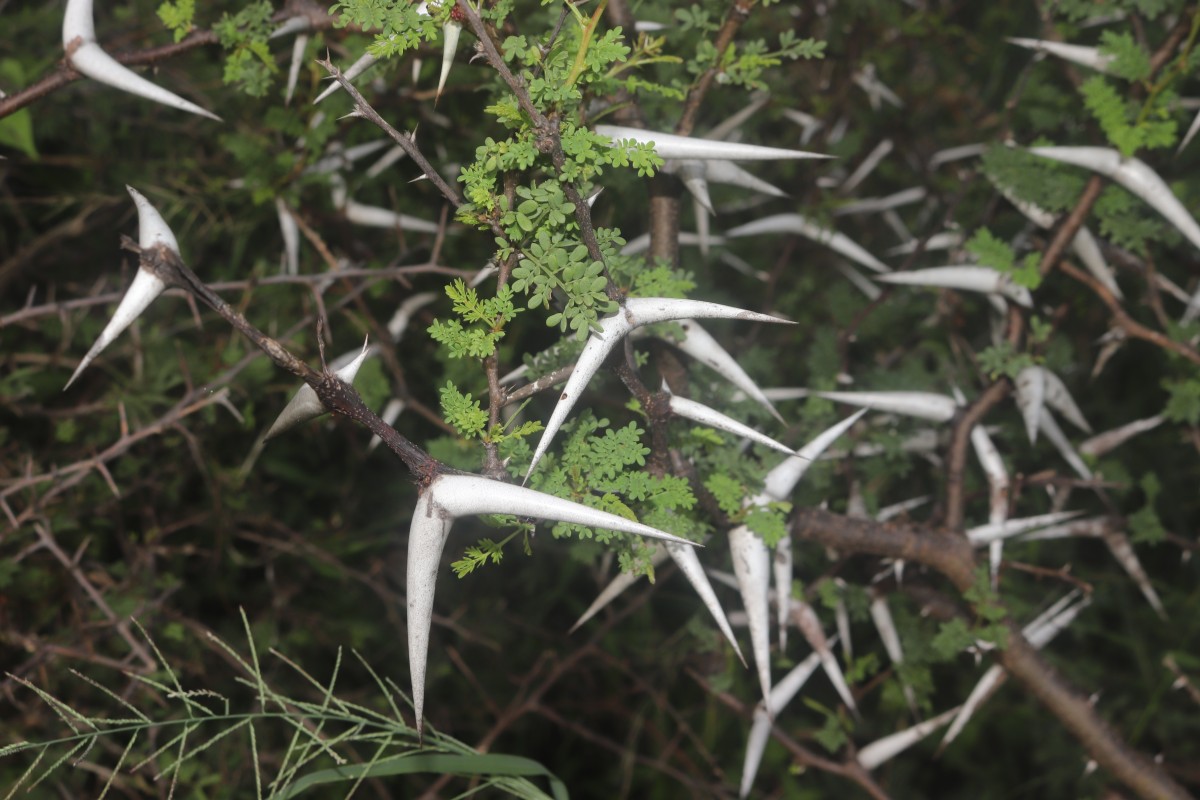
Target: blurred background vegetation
140	493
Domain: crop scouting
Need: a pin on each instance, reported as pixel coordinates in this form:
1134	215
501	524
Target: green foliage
1126	128
862	668
250	65
744	66
1183	403
463	412
1076	10
594	470
548	266
16	130
1046	184
178	17
726	491
304	534
1003	359
994	253
990	612
1124	219
401	26
192	721
485	321
478	555
835	728
1144	524
769	522
1129	60
953	637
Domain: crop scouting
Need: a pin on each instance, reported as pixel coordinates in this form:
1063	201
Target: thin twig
850	770
952	556
405	140
1122	318
338	397
739	12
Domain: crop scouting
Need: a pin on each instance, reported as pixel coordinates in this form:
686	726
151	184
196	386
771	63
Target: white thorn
298	47
782	480
752	565
637	311
966	277
364	62
305	405
1089	57
671	146
698	412
985	534
922	405
760	729
802	226
86	56
617	587
451	496
450	34
1031	397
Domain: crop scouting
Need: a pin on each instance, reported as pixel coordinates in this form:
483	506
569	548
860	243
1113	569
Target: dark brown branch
498	63
952	556
543	383
338	397
1071	225
1175	38
546	137
960	441
1126	322
739	12
405	140
956	461
850	770
665	190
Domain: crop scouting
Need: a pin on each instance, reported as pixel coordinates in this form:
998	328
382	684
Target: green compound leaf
439	763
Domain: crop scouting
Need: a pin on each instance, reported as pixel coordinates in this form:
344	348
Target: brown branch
543	383
46	309
73	473
1182	681
1071	225
952	556
547	139
960	440
1126	322
665	190
405	140
1175	38
956	460
338	397
501	66
850	770
739	12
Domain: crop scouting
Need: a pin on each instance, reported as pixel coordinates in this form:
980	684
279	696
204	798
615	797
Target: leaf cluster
249	64
481	322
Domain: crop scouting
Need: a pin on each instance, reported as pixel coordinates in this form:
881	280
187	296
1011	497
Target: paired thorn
85	56
636	312
153	232
450	496
305	405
